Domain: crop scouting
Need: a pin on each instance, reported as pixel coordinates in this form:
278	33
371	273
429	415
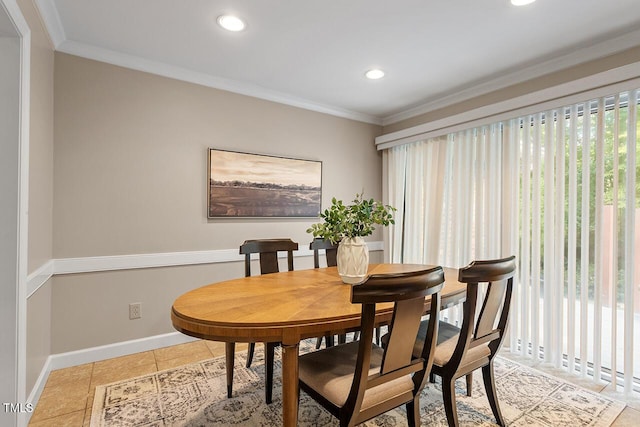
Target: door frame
11	8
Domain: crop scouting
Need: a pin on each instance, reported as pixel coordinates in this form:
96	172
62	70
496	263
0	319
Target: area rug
195	395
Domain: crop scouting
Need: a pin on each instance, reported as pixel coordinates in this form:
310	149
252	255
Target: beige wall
130	178
131	157
40	190
91	309
40	141
610	62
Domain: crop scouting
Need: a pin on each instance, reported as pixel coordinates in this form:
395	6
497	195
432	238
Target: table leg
229	352
290	384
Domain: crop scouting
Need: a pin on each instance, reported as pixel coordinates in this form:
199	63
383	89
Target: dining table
287	307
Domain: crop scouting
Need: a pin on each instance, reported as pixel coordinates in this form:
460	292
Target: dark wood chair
331	254
460	351
359	380
268	254
330	250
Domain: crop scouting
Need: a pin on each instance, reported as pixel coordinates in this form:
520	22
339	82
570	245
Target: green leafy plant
355	220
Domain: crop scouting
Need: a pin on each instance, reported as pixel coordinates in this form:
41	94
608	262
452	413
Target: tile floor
67	397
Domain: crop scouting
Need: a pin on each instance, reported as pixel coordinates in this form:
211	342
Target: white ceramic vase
353	259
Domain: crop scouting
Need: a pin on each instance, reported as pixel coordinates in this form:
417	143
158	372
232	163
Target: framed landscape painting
256	185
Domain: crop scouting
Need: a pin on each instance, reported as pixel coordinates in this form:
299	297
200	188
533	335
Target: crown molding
598	50
52	21
203	79
53	24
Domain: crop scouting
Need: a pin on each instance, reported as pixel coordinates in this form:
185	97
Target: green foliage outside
611	150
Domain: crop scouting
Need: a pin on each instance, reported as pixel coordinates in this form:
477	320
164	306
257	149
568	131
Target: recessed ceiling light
374	74
521	2
231	23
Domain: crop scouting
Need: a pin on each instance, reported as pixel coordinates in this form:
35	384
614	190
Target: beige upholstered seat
359	380
332	375
445	350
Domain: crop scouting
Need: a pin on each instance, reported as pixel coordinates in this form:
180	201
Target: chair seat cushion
445	332
445	350
330	373
447	341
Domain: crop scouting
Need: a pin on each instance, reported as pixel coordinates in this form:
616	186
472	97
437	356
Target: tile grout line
87	408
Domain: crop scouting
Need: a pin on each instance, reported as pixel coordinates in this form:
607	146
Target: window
561	190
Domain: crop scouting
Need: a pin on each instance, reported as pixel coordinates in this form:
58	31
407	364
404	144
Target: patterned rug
195	395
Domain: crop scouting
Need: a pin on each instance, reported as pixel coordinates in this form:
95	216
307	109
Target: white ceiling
313	54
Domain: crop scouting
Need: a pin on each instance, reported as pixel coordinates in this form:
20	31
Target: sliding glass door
560	189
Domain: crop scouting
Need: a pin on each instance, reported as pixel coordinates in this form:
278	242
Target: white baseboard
103	352
36	391
109	351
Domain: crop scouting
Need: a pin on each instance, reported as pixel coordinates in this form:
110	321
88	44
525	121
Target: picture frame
258	185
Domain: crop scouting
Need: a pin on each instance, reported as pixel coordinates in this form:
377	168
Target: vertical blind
561	190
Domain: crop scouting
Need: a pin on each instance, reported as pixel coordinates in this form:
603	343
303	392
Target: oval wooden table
285	307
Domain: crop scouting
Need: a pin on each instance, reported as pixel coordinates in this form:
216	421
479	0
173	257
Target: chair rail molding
39	277
137	261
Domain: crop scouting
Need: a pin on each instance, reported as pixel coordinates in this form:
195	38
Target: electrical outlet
134	310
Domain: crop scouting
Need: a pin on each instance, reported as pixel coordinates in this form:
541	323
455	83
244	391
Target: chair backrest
407	291
268	250
330	249
488	327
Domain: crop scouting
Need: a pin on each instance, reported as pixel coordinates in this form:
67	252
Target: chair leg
269	349
229	353
413	412
250	351
449	398
330	340
378	333
490	388
469	378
